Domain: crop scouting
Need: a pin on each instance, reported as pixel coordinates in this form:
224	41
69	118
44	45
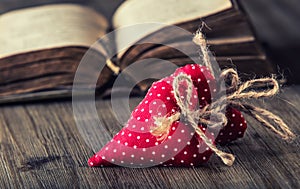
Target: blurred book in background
39	61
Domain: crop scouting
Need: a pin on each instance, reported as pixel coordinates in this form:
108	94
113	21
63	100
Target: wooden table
40	147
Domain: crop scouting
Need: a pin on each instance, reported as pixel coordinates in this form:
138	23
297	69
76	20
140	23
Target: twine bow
212	115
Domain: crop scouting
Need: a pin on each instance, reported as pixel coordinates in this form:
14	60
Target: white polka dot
192	164
182	131
132	155
144	149
192	133
185	152
150	111
153	153
204	158
154	102
195	155
150	94
129	134
241	124
115	150
168	98
221	133
207	148
175	149
133	126
193	67
230	133
151	160
163	105
168	81
142	158
202	70
163	155
119	141
103	157
146	102
208	81
173	158
158	95
112	160
169	137
134	146
155	87
147	140
138	137
188	143
156	143
106	148
159	113
215	90
179	140
182	161
123	133
173	128
123	153
138	118
232	125
91	163
240	132
122	161
199	80
163	88
203	98
142	110
136	110
166	146
142	128
233	115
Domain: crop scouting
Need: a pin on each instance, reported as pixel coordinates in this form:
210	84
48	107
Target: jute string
212	115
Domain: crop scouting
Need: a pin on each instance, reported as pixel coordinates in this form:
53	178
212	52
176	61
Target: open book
41	47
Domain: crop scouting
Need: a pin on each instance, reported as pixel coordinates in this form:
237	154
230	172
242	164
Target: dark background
276	24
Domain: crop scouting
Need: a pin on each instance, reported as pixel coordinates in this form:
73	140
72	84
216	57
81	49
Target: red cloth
135	146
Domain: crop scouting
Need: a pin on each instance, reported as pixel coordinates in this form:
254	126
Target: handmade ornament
183	117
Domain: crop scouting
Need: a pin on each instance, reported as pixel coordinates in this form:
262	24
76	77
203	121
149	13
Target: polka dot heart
136	146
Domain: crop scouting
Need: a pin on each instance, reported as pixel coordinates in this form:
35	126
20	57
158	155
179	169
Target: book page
161	11
49	26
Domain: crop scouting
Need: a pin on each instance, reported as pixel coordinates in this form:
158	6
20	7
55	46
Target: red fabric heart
136	146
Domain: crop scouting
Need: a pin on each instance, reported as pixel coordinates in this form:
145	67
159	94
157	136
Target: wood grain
41	147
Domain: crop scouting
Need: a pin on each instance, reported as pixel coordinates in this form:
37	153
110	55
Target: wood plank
41	147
